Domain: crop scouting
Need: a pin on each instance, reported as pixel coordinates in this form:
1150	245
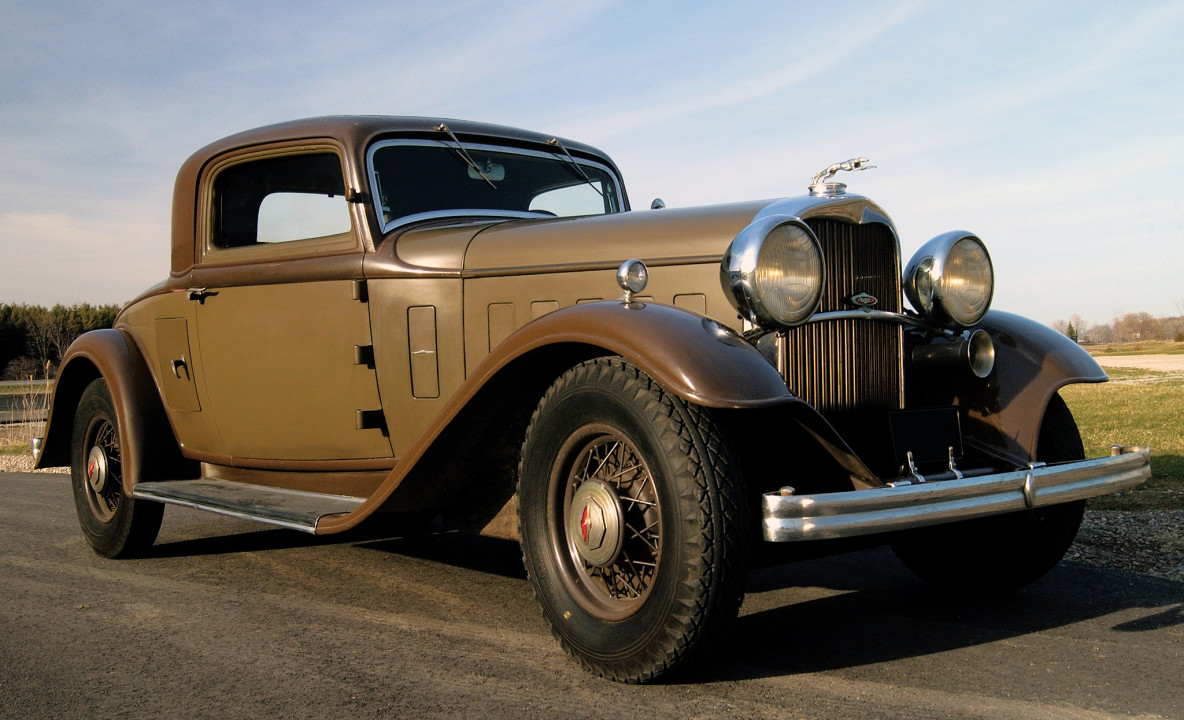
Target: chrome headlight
772	272
950	280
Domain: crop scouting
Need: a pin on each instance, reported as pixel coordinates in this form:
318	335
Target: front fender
1032	362
694	357
149	447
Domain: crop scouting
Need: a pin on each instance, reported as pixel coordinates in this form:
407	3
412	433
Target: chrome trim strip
586	266
881	315
791	518
849	207
477	214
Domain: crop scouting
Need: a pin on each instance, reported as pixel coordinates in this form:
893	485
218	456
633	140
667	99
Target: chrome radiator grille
850	370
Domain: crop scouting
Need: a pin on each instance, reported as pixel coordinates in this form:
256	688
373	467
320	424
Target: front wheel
114	524
633	523
1002	553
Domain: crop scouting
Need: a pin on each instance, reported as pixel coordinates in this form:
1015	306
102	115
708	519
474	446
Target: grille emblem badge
863	301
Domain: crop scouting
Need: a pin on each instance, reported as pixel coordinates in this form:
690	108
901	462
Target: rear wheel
1003	553
114	524
633	525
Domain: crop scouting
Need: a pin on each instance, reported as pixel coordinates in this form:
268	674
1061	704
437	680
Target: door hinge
364	355
360	292
371	420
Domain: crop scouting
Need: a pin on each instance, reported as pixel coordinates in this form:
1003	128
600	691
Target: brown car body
394	366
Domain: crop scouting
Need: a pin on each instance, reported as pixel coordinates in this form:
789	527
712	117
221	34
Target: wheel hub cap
96	469
594	523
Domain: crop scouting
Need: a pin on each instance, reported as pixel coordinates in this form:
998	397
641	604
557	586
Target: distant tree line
33	338
1126	328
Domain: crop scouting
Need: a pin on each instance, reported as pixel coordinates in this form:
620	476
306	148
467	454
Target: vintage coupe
392	319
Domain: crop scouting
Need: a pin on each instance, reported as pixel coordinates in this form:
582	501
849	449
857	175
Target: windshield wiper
555	142
465	154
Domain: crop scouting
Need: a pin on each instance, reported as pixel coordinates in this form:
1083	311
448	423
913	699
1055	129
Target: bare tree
1101	334
1080	326
62	331
1134	327
40	339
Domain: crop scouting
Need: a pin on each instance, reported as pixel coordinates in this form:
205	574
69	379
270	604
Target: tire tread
716	584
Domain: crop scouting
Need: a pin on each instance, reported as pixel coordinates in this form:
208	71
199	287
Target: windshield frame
618	190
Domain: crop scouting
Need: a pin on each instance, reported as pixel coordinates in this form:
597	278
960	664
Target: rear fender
150	449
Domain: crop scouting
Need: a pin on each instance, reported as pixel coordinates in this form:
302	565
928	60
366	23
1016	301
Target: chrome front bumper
788	517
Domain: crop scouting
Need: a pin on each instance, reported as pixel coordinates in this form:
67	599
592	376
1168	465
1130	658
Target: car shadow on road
865	608
855	609
489	555
413	539
270	538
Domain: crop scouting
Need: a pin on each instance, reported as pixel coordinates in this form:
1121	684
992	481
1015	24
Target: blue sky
1055	131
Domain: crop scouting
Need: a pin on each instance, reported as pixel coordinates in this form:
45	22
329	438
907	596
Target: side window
288	216
280	199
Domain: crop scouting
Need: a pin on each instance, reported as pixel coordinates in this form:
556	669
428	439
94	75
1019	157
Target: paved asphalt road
233	620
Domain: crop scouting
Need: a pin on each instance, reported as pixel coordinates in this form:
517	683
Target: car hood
652	235
486	247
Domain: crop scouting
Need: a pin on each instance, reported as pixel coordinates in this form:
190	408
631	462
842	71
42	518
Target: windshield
420	179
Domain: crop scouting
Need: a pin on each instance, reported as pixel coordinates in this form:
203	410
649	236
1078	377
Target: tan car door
283	325
280	370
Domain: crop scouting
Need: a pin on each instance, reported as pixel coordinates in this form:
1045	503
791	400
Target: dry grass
26	403
1150	347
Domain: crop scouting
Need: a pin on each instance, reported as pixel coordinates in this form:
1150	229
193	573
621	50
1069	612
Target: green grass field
1147	348
1137	407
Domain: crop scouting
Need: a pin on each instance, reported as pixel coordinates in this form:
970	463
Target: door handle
199	294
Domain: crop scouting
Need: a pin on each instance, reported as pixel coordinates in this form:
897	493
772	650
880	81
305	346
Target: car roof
355	133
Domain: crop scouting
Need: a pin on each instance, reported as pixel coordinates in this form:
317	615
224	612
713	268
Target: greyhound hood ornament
820	186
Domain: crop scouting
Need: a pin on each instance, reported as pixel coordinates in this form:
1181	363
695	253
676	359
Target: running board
293	509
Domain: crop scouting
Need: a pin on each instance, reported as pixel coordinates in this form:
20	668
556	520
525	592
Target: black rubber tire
996	555
114	524
608	414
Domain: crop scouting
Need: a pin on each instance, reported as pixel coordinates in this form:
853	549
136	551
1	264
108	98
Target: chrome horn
977	353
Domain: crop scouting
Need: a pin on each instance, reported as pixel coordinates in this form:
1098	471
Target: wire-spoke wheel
104	469
607	508
633	523
114	524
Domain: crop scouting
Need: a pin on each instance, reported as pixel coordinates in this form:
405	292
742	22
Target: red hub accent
585	523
